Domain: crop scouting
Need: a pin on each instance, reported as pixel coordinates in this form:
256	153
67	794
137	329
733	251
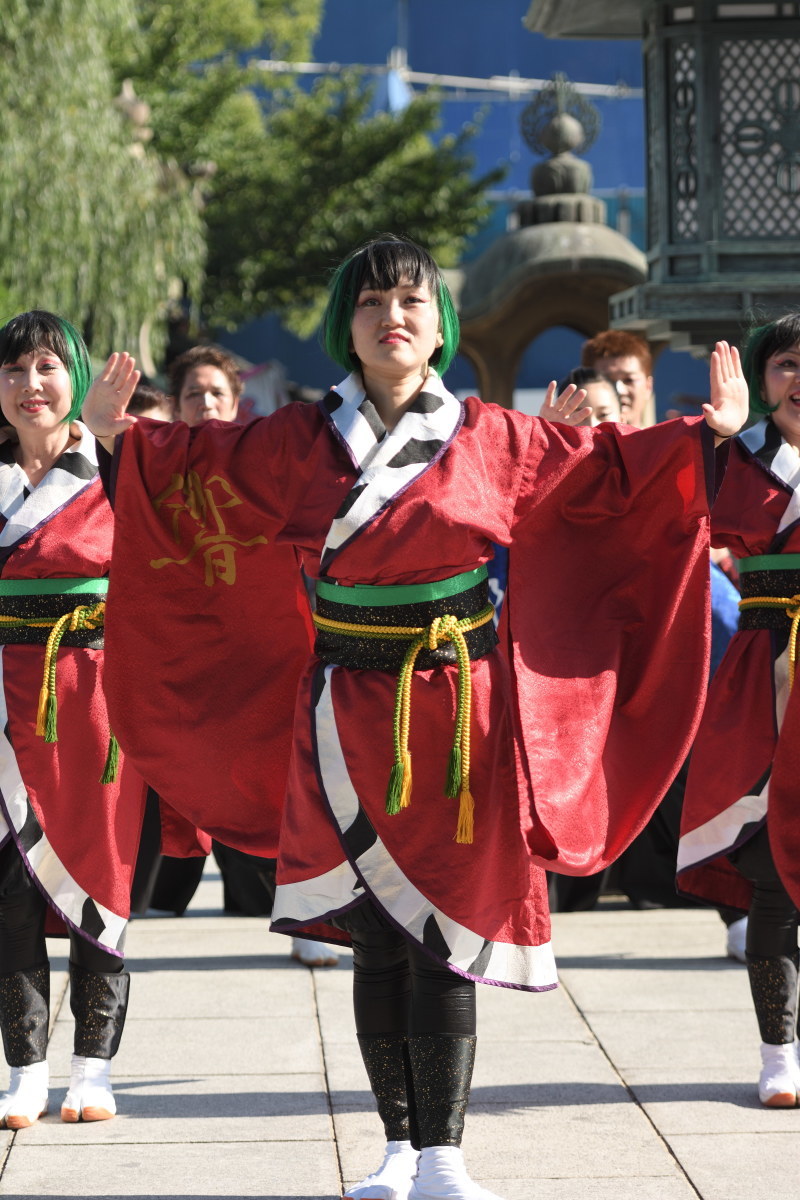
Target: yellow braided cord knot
791	605
399	633
442	629
85	616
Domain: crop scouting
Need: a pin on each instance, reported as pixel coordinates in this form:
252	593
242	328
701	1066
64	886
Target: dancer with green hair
740	833
436	769
70	809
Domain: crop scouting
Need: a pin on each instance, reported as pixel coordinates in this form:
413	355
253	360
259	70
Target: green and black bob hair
382	264
762	342
39	330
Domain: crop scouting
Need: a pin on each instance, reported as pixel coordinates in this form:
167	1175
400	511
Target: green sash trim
769	562
52	587
368	595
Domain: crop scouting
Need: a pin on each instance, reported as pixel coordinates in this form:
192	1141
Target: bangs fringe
40	330
382	264
762	342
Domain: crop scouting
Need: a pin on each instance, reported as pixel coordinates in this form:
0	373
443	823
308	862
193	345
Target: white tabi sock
778	1083
26	1098
89	1097
442	1175
393	1178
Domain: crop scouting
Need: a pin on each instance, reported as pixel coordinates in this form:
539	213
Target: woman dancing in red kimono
548	752
67	840
739	838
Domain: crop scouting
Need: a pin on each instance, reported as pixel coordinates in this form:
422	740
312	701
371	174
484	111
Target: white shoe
778	1083
442	1175
26	1098
737	935
313	954
89	1096
393	1178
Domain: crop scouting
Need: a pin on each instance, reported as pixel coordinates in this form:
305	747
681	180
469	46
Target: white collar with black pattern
773	453
25	507
387	463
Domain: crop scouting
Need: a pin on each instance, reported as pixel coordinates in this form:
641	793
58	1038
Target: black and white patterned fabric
369	868
735	823
779	459
26	508
387	462
66	896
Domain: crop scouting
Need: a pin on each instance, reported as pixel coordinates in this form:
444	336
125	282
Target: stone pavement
237	1075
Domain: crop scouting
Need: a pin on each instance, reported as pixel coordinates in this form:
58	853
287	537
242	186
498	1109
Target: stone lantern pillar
723	160
562	263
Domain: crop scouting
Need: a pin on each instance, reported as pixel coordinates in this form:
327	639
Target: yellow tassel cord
791	604
85	616
442	629
46	713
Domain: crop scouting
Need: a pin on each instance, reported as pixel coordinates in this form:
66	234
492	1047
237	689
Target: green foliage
192	61
105	210
328	178
92	223
299	178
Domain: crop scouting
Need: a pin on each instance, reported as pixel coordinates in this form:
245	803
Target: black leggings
23	909
773	918
398	988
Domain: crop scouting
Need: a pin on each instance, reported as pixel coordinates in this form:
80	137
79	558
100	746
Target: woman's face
781	385
206	395
35	392
603	400
395	332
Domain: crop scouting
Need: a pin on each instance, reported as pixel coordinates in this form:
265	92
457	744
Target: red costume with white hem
78	837
578	723
745	759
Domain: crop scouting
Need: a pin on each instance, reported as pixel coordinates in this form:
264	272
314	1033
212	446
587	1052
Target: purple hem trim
295	929
61	915
337	433
285	925
742	840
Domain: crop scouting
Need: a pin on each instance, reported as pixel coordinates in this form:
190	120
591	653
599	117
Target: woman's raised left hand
727	410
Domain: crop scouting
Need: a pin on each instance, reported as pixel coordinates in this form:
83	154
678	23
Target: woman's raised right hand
104	409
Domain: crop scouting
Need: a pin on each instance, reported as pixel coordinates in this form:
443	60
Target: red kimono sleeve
734	750
207	621
606	629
